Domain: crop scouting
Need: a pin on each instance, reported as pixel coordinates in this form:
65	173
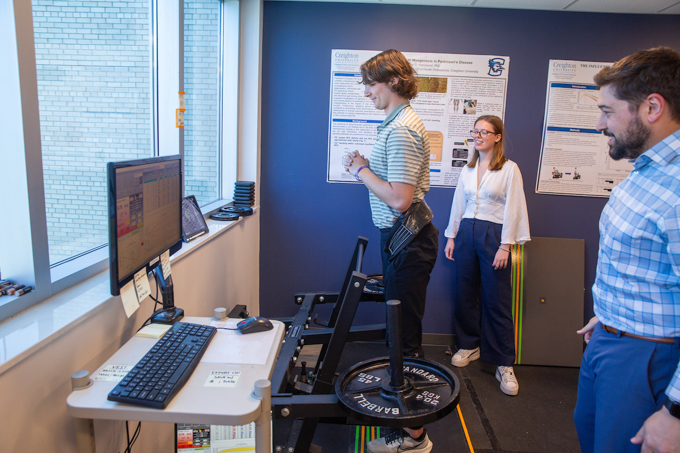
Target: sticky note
222	379
113	372
165	262
142	285
129	297
153	330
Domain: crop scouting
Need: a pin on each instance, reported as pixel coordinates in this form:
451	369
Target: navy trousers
622	383
405	277
482	295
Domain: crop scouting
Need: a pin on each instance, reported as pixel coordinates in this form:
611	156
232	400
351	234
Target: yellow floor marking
467	435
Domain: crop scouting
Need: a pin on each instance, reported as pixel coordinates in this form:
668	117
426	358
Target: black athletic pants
405	277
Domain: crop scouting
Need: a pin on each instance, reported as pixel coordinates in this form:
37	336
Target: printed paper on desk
165	263
222	379
142	285
230	346
129	298
113	372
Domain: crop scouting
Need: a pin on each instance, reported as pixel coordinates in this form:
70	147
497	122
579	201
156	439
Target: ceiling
591	6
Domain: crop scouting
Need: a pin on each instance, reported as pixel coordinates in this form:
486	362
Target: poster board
453	91
574	154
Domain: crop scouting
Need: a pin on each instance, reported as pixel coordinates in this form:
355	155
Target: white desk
195	403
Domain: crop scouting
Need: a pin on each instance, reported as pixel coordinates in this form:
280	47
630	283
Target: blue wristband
356	173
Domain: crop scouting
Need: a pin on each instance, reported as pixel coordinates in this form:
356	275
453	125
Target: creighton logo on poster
496	66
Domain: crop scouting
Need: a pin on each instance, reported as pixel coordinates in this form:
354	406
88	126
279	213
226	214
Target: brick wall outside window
93	62
94	66
201	84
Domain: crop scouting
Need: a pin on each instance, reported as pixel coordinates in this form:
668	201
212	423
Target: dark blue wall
309	227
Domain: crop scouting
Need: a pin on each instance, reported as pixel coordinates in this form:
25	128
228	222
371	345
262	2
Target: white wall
223	272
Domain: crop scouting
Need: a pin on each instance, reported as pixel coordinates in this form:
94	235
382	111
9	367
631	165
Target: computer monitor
145	220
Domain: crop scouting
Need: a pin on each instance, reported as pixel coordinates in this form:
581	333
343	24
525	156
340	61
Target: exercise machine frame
309	404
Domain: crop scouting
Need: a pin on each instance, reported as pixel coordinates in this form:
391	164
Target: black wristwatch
673	407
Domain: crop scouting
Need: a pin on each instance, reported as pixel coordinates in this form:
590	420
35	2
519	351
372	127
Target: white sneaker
398	442
464	356
506	376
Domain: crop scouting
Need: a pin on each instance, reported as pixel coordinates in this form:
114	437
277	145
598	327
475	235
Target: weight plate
240	210
224	216
430	393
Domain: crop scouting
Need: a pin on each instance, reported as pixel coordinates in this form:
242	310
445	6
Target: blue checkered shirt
637	286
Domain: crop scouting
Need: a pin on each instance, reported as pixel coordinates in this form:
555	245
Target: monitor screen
145	215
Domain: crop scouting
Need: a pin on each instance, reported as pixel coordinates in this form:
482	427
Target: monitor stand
169	314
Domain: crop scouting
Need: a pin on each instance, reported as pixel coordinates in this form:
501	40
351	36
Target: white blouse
498	199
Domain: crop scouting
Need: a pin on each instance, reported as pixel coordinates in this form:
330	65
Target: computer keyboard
164	370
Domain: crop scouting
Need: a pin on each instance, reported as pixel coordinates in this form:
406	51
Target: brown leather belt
666	340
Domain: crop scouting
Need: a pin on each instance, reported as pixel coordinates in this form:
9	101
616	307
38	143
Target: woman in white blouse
488	216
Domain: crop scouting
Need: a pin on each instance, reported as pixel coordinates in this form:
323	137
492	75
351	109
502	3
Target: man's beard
632	144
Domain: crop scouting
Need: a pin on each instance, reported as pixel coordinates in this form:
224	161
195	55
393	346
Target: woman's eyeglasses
483	133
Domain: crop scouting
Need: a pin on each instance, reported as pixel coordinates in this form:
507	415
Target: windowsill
33	329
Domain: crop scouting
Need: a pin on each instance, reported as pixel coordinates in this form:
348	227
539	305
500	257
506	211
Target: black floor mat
538	419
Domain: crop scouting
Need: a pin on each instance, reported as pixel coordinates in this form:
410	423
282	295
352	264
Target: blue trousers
482	295
622	383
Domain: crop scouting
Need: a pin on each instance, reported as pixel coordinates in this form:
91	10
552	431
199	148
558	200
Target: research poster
574	155
453	90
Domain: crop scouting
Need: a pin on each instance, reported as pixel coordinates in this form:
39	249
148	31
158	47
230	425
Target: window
202	84
93	64
91	94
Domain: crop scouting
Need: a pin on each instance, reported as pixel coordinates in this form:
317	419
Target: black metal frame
313	403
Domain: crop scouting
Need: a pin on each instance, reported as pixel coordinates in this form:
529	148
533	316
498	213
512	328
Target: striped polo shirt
401	154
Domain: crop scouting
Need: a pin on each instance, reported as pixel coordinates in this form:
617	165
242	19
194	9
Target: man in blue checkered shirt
629	386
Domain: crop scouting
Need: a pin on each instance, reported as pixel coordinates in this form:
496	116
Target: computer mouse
254	324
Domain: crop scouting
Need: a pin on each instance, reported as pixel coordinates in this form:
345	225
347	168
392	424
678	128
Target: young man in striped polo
398	176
